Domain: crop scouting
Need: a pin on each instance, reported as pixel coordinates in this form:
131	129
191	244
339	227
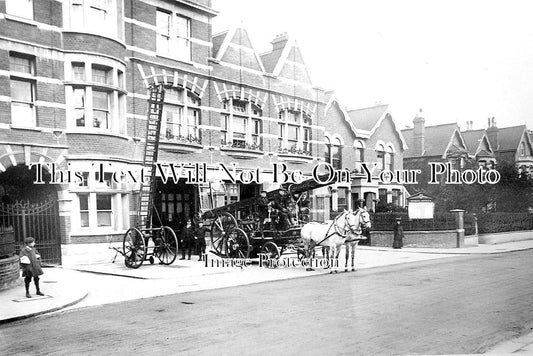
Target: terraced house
74	87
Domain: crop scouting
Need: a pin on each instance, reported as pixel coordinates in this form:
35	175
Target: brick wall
434	239
9	272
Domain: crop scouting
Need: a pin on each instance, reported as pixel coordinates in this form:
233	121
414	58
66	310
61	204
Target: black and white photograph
245	177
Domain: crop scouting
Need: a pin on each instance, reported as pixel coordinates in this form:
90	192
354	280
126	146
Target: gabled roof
474	139
234	46
509	137
217	40
438	140
285	60
270	59
367	120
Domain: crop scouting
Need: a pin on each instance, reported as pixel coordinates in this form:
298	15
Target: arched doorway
29	209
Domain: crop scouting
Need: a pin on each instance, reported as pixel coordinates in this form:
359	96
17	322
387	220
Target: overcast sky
457	60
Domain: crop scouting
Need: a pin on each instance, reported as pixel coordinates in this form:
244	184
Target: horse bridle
353	228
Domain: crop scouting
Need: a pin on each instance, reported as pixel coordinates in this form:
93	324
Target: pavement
80	286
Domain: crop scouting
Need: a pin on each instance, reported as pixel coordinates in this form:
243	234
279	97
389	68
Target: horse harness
350	228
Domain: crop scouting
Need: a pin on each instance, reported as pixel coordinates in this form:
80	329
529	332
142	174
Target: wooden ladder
153	130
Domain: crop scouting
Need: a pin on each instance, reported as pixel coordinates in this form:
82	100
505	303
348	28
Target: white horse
352	240
347	225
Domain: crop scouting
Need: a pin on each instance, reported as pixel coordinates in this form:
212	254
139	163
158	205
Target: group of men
288	208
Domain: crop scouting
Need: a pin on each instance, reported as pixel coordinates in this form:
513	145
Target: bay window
102	205
95	98
98	16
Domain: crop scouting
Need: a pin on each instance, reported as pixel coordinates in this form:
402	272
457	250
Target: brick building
75	77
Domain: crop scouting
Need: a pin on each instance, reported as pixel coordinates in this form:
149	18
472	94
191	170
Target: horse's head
357	220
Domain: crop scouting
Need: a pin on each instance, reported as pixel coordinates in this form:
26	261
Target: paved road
455	305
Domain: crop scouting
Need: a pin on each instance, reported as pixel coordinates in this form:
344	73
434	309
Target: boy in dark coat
262	210
187	240
30	259
199	235
398	234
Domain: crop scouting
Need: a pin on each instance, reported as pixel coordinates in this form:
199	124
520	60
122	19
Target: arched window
336	154
181	116
522	149
380	153
389	158
359	151
295	131
333	152
327	150
241	124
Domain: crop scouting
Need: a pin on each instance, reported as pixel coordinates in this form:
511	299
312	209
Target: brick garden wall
435	239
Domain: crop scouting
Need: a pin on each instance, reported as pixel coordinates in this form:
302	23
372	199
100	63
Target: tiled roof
436	139
217	41
366	118
472	139
509	137
270	59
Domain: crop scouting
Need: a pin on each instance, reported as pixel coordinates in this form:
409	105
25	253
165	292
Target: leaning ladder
153	130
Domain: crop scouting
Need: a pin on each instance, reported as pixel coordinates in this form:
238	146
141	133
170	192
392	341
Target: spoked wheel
166	246
270	252
220	227
237	244
134	248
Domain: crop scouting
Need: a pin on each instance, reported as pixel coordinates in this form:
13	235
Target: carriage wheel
166	246
220	228
270	251
134	248
237	244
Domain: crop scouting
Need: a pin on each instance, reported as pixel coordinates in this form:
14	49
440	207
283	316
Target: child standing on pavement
187	240
199	235
30	259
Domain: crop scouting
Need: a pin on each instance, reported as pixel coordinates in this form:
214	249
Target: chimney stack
418	134
492	133
280	41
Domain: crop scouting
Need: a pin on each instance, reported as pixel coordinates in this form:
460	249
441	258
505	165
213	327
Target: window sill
240	152
294	157
23	20
84	131
165	56
180	146
86	231
103	35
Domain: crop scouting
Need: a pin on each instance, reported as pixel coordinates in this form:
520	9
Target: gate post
459	221
23	215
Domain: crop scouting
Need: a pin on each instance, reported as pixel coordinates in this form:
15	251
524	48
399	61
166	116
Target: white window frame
177	35
20	8
114	120
93	188
241	109
183	107
19	116
81	18
299	121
